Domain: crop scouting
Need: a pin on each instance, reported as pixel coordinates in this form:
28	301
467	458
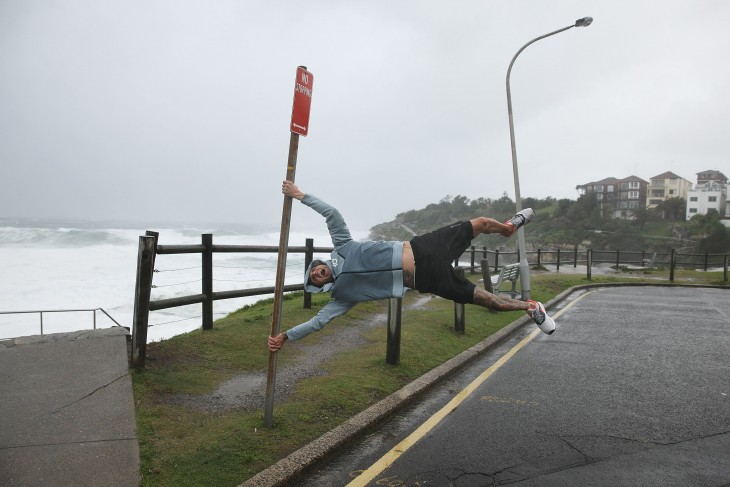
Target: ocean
54	265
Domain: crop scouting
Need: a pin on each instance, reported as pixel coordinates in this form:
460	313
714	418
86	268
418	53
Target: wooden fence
589	257
149	249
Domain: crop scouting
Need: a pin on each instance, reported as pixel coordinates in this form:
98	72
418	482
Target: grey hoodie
362	271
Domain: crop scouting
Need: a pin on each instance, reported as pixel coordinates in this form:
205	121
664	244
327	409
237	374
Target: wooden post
539	253
496	260
308	258
279	283
618	259
486	276
142	292
724	266
459	310
575	257
207	280
558	264
392	349
473	253
589	262
672	264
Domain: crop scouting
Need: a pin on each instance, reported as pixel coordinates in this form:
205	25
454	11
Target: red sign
302	101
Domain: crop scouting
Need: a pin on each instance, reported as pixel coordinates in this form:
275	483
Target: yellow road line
389	458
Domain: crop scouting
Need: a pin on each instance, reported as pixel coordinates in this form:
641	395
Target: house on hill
710	193
665	186
618	198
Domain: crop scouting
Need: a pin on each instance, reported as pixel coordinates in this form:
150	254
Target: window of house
599	196
693	210
609	196
671	192
633	204
598	188
633	195
634	185
693	198
609	188
712	199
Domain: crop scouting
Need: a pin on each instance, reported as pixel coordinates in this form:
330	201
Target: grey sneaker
542	320
522	217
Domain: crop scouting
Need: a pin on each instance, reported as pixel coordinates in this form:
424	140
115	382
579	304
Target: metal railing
40	314
588	257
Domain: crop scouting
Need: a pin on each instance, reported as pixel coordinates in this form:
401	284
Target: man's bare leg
536	310
488	300
484	224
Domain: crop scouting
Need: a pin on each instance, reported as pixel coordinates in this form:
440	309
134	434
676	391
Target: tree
716	242
672	209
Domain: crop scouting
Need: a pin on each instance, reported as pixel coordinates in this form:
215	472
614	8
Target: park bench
509	272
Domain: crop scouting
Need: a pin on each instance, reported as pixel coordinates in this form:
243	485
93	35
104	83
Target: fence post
724	265
392	349
539	253
496	260
473	252
618	259
142	291
459	311
308	258
706	261
207	282
575	257
558	263
672	264
486	277
589	262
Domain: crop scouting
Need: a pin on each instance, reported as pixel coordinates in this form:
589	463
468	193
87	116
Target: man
362	271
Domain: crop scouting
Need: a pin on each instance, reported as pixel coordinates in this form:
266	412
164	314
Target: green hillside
568	223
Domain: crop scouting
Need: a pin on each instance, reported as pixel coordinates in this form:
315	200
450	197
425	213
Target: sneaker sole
547	326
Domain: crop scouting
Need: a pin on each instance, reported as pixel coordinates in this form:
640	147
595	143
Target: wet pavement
67	411
632	389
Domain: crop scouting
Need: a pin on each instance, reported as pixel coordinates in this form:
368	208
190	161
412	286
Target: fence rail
149	249
40	314
619	258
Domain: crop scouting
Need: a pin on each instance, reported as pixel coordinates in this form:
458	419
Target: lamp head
584	22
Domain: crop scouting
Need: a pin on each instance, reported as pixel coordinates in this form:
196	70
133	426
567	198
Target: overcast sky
179	110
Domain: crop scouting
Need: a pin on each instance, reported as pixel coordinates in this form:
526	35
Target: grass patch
181	446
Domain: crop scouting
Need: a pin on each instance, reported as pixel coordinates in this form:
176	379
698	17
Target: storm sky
179	110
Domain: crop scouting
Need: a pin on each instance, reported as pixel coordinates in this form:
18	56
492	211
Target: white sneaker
542	320
522	217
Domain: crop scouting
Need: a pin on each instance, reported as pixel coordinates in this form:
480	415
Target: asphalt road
632	389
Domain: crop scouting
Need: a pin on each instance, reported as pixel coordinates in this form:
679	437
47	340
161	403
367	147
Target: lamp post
524	267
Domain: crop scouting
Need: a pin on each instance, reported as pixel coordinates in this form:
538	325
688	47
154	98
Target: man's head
318	276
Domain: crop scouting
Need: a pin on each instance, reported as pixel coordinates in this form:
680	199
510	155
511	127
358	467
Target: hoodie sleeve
331	310
336	225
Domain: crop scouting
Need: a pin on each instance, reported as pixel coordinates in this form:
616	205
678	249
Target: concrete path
67	411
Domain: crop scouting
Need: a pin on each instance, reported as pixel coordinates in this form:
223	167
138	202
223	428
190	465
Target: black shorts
434	253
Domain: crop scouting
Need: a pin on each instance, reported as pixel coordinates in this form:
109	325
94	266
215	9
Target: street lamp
524	267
